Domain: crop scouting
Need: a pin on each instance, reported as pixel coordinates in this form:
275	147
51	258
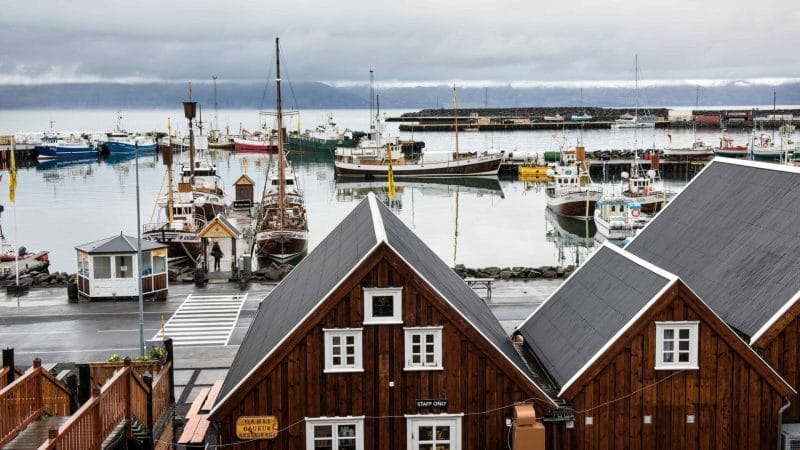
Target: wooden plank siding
733	397
779	347
291	384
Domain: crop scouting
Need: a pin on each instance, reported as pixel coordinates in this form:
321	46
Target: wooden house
373	342
109	268
733	236
639	361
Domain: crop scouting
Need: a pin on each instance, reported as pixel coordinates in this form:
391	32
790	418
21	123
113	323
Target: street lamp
189	111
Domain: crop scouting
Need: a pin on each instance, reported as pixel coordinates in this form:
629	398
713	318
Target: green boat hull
318	145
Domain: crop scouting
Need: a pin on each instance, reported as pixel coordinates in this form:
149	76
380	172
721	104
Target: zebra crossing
204	319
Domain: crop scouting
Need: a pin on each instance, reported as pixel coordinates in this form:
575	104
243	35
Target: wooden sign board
217	230
256	427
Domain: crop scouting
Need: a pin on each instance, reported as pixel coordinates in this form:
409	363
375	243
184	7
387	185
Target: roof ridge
757	164
641	261
122	235
377	220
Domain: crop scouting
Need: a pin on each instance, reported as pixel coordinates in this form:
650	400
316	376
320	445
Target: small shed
245	188
107	268
220	227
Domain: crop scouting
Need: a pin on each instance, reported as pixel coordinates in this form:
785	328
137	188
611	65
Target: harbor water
478	223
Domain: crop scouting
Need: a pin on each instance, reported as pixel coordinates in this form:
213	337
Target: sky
407	43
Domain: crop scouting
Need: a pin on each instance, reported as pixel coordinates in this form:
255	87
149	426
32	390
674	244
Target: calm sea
495	223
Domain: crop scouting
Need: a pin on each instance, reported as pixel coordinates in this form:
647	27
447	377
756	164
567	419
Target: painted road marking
204	320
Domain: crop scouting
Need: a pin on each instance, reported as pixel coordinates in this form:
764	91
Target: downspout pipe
780	420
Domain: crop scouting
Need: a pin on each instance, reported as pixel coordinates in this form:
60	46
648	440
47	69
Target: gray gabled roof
733	236
118	244
589	310
309	284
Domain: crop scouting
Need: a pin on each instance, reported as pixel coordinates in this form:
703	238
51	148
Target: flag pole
139	255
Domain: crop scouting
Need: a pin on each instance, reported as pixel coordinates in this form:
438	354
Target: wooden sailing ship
282	229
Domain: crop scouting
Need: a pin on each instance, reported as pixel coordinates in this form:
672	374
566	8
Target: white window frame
329	334
397	305
694	345
437	350
414	421
334	422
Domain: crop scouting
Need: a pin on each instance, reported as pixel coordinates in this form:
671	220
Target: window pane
323	431
159	264
350	340
347	444
443	433
147	267
442	446
429	348
683	333
351	361
429	338
337	361
667	357
415	338
426	433
415	359
102	267
429	360
337	340
669	346
383	306
683	357
336	350
425	447
323	445
683	345
669	334
124	266
347	430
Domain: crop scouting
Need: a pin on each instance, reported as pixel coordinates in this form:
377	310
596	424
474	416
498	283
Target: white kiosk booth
108	268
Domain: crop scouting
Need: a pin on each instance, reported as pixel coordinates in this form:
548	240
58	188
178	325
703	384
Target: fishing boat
73	147
583	117
570	192
264	140
727	148
178	223
131	144
697	152
556	118
374	156
200	186
634	121
282	226
639	186
617	218
324	138
764	148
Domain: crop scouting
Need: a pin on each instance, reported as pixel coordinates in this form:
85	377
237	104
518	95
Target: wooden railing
124	396
27	398
4	376
161	392
100	372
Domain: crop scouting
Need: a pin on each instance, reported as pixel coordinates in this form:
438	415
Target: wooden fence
28	398
123	397
102	371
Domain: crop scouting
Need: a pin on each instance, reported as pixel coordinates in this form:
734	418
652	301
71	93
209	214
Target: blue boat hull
121	147
56	152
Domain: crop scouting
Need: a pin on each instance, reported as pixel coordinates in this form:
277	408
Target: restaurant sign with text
256	427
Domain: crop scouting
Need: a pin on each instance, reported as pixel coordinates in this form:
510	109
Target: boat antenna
455	118
636	87
279	120
378	117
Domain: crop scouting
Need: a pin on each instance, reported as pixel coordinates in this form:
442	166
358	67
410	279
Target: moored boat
698	151
324	138
131	144
639	186
727	148
264	141
53	147
282	226
568	195
617	218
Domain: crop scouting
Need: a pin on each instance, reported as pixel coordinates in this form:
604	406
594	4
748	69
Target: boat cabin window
124	266
676	345
383	305
102	267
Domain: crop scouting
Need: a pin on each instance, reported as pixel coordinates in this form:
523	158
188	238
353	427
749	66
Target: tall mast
216	116
191	141
455	115
371	100
636	87
279	119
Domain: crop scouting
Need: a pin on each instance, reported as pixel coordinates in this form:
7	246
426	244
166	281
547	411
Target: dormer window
676	345
383	306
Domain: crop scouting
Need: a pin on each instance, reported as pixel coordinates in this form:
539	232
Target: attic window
676	345
383	306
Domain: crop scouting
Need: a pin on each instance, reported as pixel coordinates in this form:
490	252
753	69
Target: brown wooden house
733	236
641	362
373	342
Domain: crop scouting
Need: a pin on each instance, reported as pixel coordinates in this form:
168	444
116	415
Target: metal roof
331	263
589	310
118	244
733	236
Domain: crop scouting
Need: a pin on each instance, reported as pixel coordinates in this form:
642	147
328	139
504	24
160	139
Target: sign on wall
433	403
256	427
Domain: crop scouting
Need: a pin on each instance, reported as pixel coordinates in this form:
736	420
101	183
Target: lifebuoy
635	212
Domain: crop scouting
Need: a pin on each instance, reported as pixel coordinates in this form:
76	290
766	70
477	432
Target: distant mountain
248	95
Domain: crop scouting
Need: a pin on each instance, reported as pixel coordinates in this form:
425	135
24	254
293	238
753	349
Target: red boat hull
256	148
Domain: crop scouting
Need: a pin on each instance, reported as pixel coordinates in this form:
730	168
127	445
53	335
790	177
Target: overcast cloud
406	42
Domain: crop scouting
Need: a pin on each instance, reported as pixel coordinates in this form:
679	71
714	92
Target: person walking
216	252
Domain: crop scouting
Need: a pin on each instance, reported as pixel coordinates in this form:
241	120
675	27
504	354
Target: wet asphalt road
44	324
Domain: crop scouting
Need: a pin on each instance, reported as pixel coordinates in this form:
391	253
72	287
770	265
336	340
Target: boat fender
635	212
